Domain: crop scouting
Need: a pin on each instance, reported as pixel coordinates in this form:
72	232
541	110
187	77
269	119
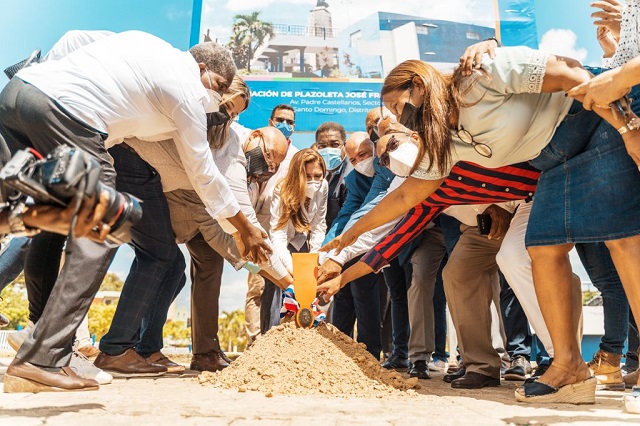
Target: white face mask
312	187
401	160
365	167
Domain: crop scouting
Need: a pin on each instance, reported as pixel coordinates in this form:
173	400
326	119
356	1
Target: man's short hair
216	58
283	106
332	125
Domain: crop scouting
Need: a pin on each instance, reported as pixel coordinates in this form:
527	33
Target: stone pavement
177	401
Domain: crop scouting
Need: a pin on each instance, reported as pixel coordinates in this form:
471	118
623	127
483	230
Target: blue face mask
285	128
332	157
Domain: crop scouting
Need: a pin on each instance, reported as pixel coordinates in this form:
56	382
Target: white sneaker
16	339
85	369
632	401
438	365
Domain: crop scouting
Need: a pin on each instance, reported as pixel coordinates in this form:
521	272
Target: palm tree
251	32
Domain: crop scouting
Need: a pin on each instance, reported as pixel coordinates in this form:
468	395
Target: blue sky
564	27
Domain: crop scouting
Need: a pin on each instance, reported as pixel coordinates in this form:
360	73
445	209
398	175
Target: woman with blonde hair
514	109
299	207
235	101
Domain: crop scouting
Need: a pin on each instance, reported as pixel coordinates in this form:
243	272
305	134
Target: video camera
59	177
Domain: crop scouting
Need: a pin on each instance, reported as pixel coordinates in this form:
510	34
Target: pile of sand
294	361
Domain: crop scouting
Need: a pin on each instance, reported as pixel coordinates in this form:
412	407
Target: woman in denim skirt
514	109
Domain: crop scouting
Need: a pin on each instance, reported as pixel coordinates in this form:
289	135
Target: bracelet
16	224
622	130
494	39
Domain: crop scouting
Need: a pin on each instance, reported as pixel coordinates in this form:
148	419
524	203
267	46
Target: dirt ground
184	401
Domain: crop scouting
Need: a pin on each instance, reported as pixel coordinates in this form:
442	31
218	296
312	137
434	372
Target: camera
484	223
59	177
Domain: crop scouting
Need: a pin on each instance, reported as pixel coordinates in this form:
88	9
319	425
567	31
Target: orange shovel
305	275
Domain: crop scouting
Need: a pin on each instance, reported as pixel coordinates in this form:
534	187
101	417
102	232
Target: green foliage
14	304
177	331
249	34
588	295
111	282
100	317
231	331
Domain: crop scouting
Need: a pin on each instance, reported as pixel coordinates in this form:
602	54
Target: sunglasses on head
282	120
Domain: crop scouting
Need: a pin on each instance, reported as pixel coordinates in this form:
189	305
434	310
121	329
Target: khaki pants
468	285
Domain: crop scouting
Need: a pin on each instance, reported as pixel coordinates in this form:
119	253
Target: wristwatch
494	39
16	224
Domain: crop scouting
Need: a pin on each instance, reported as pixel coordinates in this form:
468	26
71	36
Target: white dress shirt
134	84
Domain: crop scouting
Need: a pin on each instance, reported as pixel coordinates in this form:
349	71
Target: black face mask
374	136
218	118
411	116
257	167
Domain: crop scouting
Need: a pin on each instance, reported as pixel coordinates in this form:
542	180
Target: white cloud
561	41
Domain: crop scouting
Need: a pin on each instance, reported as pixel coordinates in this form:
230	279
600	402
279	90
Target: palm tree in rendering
251	33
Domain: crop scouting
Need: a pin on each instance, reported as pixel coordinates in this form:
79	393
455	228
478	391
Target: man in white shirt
128	84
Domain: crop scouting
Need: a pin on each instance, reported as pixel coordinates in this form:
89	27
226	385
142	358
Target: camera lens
124	211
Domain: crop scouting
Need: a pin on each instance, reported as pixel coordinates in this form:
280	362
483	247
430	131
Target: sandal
632	401
582	392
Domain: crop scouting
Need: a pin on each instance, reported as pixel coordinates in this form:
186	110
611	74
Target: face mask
214	101
218	118
256	165
285	128
312	187
411	116
401	160
332	157
365	167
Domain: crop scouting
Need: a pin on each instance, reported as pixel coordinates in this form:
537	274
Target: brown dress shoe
26	377
210	361
128	364
160	359
224	356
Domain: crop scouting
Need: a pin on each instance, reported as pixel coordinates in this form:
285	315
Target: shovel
305	273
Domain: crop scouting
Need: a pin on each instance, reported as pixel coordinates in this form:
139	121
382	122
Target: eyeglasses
481	148
392	145
267	157
282	120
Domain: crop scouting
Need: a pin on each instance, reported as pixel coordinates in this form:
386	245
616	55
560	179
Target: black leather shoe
420	370
396	363
448	378
519	369
473	380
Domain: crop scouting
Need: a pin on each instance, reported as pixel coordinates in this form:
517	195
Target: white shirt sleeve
196	157
319	224
279	237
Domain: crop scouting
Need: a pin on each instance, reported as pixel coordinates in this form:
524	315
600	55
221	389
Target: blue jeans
597	261
151	340
148	284
12	260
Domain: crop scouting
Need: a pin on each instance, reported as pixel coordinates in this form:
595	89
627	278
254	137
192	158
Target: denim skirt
589	188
